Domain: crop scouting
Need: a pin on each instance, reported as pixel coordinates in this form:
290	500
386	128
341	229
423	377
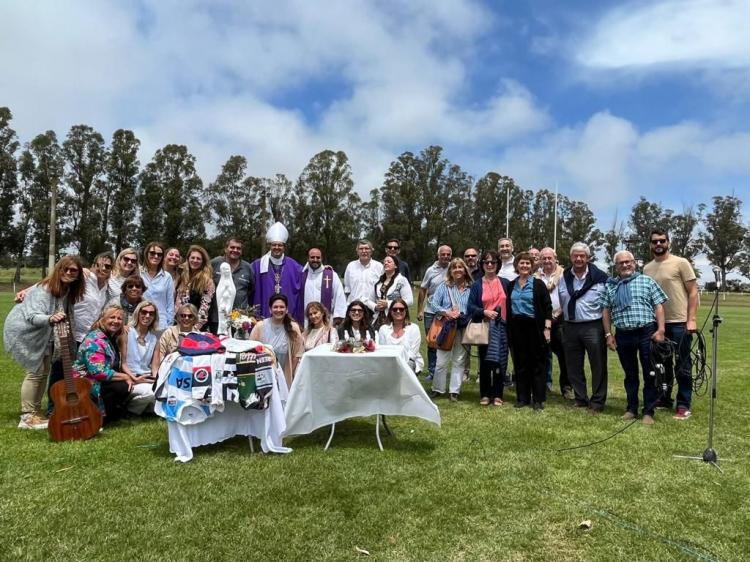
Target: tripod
709	454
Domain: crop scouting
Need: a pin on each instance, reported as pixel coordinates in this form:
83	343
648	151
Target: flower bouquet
242	322
352	345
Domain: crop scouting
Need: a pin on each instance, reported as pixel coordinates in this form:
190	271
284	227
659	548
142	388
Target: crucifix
327	281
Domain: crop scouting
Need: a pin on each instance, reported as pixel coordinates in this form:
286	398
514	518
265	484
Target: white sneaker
32	421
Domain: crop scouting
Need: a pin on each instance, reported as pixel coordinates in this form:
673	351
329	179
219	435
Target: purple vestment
291	285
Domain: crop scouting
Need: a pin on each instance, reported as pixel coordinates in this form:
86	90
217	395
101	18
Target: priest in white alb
322	284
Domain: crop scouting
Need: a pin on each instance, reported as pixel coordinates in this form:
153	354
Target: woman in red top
488	301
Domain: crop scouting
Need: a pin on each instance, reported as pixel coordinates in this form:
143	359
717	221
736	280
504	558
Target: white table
330	387
267	425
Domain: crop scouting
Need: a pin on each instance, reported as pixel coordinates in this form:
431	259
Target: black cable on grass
687	547
597	442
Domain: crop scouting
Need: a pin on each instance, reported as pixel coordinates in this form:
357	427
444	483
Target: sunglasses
357	311
71	270
187	316
130	260
489	262
155	254
398	309
148	312
105	266
391	247
467	256
133	286
659	241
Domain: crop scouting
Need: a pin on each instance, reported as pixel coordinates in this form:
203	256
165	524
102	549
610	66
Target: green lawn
489	485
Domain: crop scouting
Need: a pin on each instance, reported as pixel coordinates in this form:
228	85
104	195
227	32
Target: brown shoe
627	416
647	420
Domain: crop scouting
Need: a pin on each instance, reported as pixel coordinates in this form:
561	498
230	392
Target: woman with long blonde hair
125	265
195	284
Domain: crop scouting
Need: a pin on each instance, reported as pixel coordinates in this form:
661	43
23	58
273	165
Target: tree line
106	200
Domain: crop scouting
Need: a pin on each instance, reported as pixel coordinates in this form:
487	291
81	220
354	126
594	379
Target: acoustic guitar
75	416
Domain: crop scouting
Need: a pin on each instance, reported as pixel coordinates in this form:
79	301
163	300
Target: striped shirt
645	294
441	300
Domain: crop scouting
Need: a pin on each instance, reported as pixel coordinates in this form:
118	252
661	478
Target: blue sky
610	100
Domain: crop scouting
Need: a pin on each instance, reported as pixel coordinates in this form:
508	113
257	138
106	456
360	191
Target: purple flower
246	325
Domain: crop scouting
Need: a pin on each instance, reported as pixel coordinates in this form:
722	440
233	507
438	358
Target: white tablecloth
267	425
329	387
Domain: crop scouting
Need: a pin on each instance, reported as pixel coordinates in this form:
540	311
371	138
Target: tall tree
171	198
43	165
8	179
328	209
122	181
85	158
611	242
683	227
577	223
725	233
644	216
231	196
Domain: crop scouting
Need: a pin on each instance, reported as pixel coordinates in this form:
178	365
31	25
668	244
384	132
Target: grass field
488	485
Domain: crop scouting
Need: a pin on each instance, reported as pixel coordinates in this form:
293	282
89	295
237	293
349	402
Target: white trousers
141	399
458	356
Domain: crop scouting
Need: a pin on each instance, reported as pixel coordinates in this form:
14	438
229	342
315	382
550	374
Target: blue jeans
682	365
431	353
633	345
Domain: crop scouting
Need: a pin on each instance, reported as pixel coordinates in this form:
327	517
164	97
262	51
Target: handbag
477	333
442	333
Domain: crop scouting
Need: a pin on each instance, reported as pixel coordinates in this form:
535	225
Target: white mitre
277	233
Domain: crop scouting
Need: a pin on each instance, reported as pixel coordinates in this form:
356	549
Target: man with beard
393	249
633	303
242	277
320	283
676	277
471	258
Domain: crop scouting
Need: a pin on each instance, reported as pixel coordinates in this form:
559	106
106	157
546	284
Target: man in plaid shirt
632	303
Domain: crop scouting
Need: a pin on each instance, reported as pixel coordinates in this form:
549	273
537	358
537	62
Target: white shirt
399	288
87	310
410	342
312	291
553	294
508	270
359	279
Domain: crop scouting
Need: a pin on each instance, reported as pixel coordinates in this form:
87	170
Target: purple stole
326	288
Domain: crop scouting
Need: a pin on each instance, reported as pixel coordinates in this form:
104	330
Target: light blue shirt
445	298
587	306
161	292
522	299
140	361
433	278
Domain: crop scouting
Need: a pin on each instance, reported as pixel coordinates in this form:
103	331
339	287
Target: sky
607	100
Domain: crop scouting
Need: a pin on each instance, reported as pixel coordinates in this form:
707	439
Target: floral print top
97	360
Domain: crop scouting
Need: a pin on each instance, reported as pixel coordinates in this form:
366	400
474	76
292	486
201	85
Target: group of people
537	309
127	314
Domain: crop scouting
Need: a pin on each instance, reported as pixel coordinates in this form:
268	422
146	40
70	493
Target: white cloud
702	33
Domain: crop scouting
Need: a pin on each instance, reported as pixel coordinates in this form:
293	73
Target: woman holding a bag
488	308
449	302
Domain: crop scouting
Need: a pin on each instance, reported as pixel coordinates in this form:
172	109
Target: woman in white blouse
319	330
400	331
390	286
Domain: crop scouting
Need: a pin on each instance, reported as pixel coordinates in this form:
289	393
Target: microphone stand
709	454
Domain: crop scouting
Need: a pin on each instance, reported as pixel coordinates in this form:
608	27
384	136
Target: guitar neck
63	332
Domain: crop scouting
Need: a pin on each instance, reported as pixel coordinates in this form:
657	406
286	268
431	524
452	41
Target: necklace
277	277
